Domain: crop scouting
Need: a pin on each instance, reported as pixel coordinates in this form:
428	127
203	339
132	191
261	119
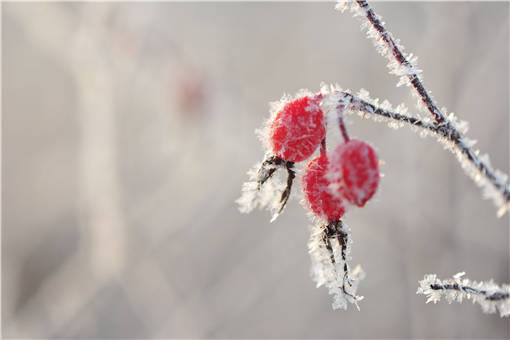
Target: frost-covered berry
317	193
354	171
297	129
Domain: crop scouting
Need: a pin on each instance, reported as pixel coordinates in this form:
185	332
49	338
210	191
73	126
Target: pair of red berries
349	174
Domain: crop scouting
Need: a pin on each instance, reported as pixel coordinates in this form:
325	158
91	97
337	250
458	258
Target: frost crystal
342	6
330	248
491	297
265	197
472	164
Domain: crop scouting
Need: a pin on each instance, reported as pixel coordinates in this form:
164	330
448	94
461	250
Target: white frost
330	275
265	197
490	296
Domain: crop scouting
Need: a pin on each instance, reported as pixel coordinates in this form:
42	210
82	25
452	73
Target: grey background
127	131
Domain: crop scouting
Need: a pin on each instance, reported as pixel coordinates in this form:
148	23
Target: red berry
317	192
354	171
297	129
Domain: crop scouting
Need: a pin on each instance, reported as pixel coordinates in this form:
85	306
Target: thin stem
343	129
495	296
365	106
323	147
323	141
340	108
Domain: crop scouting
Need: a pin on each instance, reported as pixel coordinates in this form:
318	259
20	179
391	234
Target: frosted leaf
491	297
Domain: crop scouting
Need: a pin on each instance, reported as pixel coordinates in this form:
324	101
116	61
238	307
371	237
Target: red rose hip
317	193
354	171
297	129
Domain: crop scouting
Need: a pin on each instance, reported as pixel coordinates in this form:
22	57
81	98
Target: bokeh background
127	132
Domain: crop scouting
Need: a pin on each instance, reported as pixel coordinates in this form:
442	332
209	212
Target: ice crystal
265	197
330	267
490	296
471	163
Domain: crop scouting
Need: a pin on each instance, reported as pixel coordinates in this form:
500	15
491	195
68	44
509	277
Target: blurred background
127	132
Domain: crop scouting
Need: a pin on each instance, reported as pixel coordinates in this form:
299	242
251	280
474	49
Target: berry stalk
323	147
342	127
